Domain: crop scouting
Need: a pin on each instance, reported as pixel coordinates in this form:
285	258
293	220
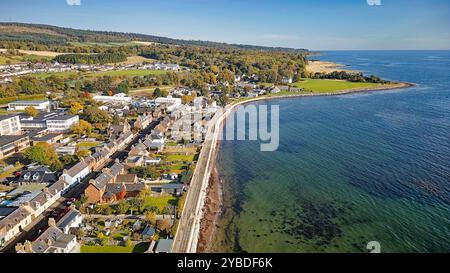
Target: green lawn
139	248
160	201
22	97
325	86
180	158
87	144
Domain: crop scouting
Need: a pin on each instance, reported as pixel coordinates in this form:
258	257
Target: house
10	145
114	192
169	102
155	142
139	149
274	90
52	240
10	125
36	176
134	161
97	188
143	121
76	173
42	105
116	130
14	223
72	219
286	80
148	233
61	123
171	188
133	190
127	179
120	98
164	246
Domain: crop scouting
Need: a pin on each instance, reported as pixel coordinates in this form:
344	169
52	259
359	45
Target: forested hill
47	34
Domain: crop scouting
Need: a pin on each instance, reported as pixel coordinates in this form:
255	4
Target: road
186	237
32	231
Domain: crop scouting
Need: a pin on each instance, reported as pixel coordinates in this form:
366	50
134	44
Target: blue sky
312	24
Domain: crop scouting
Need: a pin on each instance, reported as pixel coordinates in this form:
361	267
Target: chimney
51	222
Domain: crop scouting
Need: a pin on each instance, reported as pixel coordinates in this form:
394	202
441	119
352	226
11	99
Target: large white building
120	98
61	123
43	105
169	102
10	125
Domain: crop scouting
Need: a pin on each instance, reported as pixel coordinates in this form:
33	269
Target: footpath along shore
213	204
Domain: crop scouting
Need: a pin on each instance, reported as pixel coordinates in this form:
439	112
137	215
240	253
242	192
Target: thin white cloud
374	2
73	2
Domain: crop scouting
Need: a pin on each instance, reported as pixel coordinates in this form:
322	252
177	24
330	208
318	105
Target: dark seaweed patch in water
313	221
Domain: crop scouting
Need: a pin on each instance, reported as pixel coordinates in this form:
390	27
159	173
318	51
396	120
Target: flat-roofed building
43	105
61	123
10	145
10	125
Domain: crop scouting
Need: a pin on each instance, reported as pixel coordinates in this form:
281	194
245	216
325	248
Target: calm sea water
350	169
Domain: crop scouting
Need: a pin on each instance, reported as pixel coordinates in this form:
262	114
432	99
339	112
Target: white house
76	173
120	98
169	102
72	219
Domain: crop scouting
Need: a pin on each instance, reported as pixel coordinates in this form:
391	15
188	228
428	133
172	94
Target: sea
353	173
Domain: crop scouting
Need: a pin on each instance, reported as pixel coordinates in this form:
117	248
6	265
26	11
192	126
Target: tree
75	108
150	216
82	128
123	207
42	153
83	153
164	225
31	111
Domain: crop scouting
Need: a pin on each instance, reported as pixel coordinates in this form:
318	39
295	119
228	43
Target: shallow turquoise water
350	169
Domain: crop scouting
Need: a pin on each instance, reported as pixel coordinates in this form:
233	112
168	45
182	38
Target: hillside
47	34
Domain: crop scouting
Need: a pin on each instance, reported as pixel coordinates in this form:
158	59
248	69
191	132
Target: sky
311	24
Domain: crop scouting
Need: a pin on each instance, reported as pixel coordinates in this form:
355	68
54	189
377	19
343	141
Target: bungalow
172	188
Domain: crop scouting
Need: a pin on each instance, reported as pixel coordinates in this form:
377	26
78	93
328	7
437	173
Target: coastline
213	206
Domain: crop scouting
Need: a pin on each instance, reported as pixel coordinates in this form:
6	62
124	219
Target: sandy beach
326	67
